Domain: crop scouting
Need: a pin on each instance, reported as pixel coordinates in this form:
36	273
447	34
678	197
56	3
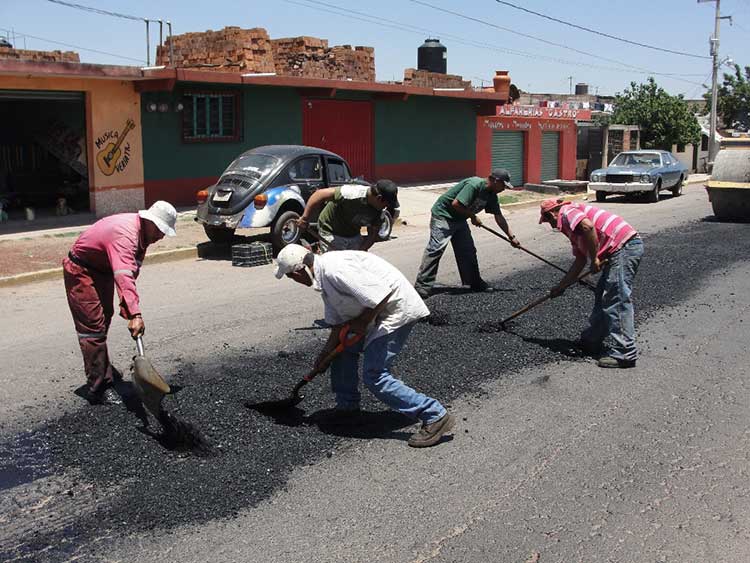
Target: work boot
105	395
430	434
610	362
482	287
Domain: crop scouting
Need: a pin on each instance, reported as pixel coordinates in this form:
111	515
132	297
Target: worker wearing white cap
106	256
357	286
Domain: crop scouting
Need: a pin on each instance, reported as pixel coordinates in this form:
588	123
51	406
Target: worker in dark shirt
448	224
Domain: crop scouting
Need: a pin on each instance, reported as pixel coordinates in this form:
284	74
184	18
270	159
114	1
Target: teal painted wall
269	116
424	129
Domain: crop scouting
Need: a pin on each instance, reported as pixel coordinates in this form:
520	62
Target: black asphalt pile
146	485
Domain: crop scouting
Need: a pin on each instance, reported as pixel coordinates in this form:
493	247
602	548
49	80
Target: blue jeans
613	306
377	377
458	234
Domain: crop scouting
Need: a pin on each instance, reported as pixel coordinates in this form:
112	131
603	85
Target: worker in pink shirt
614	248
105	256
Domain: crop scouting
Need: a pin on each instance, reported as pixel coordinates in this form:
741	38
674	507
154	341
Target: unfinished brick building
233	49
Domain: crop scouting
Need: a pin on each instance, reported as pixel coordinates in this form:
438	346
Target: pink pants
90	298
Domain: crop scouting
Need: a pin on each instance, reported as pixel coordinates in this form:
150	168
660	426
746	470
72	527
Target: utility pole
714	44
570	80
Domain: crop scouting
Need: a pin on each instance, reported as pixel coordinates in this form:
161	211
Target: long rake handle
527	251
541	300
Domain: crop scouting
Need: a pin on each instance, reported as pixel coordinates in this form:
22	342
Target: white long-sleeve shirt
351	281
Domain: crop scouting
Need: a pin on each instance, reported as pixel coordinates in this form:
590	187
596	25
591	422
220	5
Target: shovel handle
542	299
535	255
139	346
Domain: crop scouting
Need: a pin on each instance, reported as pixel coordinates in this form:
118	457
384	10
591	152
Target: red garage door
343	127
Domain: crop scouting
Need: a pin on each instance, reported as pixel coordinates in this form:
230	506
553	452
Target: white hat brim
162	226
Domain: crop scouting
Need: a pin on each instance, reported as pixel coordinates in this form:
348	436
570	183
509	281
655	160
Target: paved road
554	458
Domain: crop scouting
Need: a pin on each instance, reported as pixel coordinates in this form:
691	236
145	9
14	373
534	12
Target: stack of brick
312	58
7	53
252	51
230	50
426	79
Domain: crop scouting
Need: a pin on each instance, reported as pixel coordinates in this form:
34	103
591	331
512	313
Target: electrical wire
601	33
674	76
97	10
19	34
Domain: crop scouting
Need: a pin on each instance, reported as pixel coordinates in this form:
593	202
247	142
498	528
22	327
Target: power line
96	10
19	34
594	31
489	24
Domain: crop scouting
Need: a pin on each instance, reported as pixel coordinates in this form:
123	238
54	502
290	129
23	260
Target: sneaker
610	362
430	434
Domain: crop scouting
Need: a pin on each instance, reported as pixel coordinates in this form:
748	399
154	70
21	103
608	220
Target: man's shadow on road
366	425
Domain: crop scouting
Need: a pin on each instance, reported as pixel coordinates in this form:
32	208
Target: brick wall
253	51
426	79
39	56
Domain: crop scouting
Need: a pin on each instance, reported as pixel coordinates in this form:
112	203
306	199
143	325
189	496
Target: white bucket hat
290	259
163	215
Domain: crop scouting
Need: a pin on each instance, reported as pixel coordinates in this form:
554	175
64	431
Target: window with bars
211	116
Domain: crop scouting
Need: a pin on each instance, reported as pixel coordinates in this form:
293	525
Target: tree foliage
733	101
665	120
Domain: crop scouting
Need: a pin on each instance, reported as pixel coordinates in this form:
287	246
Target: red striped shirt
612	230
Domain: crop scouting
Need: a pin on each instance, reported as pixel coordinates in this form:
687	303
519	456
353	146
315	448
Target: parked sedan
646	172
268	187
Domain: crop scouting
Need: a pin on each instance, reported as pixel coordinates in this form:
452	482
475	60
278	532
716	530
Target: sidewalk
37	255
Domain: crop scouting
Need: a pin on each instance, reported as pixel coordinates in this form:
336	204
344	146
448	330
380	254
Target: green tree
733	102
665	120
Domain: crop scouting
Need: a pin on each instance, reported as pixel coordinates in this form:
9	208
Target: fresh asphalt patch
97	472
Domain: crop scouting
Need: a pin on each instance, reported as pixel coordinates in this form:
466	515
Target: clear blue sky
475	50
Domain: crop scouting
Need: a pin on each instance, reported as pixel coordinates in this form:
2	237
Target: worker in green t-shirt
347	209
448	224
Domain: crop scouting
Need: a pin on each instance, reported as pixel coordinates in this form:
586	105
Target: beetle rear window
256	165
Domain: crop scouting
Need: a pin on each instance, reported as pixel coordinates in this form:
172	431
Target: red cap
549	205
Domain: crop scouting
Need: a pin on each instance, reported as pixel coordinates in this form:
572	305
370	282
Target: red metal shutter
343	127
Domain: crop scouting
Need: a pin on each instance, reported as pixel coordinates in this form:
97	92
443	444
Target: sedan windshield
637	159
253	165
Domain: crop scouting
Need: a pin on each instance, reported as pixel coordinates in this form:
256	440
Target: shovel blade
149	384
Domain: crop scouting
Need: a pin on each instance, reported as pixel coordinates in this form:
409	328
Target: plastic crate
252	254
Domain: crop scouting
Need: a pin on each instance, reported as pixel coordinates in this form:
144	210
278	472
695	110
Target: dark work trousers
90	298
458	234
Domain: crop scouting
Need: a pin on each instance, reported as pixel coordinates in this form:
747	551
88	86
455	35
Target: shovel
149	384
586	283
345	341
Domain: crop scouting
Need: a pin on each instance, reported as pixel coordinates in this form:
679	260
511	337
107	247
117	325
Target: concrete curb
57	273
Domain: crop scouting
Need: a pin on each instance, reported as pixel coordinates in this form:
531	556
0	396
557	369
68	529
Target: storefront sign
113	155
522	125
543	112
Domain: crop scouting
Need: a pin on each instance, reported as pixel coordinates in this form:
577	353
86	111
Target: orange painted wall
110	104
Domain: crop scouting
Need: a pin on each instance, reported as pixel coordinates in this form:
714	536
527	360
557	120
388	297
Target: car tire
601	196
219	235
677	189
386	227
285	230
653	195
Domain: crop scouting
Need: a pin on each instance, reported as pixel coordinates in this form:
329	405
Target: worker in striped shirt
614	248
